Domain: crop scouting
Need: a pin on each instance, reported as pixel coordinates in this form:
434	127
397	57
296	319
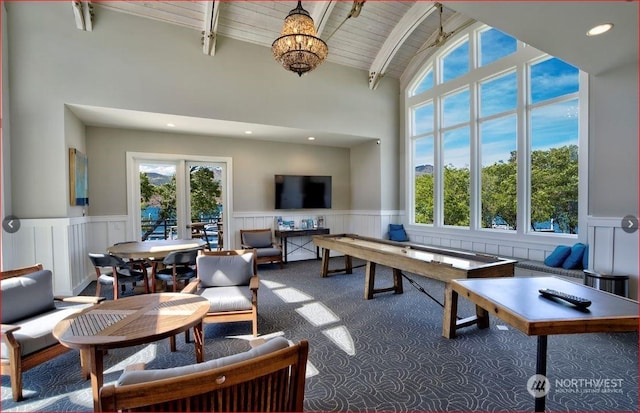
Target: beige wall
254	165
149	66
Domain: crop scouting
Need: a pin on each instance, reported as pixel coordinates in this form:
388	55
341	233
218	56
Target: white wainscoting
59	244
63	244
612	250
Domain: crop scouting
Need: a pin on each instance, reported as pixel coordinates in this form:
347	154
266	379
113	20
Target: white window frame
519	60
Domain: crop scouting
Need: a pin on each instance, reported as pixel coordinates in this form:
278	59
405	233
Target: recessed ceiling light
248	132
171	125
599	29
311	138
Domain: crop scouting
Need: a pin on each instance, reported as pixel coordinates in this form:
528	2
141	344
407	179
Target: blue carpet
385	354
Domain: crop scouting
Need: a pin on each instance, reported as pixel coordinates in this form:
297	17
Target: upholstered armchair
229	280
262	241
29	313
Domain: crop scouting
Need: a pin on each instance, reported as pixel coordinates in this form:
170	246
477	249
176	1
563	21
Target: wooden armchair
29	313
268	378
268	250
229	280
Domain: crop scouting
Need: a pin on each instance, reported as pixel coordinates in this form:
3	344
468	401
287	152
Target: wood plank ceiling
383	39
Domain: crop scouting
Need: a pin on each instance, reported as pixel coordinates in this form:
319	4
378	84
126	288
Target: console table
285	234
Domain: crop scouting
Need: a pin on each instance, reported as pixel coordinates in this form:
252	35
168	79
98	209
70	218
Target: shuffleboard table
432	262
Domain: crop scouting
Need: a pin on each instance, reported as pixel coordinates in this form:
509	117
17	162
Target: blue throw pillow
397	233
574	260
557	257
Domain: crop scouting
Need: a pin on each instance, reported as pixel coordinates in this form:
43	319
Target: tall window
485	109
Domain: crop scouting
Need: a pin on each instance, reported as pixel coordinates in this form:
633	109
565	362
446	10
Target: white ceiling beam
407	24
210	32
83	14
320	14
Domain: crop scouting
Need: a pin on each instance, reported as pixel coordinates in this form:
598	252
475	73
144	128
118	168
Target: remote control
577	301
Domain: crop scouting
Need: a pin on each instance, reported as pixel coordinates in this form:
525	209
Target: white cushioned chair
229	280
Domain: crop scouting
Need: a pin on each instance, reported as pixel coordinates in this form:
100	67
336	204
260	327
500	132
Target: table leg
397	281
325	263
541	369
283	242
450	315
370	280
97	379
85	363
198	341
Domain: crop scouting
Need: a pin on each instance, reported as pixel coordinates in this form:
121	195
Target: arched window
493	137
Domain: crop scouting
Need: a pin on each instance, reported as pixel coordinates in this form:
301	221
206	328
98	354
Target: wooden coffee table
128	322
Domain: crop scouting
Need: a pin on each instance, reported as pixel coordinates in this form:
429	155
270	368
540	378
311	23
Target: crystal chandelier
298	49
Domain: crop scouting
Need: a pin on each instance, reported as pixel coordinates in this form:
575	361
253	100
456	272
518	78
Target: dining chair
112	270
179	267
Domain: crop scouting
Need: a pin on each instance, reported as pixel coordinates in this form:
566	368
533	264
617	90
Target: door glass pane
205	201
157	201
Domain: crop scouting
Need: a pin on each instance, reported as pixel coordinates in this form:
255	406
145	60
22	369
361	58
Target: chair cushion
227	270
26	296
35	333
141	376
268	252
231	298
257	239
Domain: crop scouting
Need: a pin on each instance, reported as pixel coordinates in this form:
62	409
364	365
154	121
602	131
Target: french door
178	197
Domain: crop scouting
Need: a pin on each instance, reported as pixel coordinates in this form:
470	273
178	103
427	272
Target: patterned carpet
385	354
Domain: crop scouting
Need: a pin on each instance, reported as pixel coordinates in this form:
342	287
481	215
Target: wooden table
154	250
518	302
284	235
128	322
437	263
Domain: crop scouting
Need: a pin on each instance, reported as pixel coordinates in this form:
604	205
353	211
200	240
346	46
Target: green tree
457	185
499	192
424	199
554	186
147	190
205	192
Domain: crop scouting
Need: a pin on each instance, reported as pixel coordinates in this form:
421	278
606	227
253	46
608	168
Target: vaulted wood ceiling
382	39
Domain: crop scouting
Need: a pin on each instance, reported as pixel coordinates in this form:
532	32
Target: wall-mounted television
302	191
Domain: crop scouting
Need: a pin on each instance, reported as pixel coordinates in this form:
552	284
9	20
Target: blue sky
552	125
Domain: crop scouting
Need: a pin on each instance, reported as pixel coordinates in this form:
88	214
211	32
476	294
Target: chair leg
172	343
15	369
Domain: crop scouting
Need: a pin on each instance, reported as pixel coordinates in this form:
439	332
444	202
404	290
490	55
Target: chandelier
298	49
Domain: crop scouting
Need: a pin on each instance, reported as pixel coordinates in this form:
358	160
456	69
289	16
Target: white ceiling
380	41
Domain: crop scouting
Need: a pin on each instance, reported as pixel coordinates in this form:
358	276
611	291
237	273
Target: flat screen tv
302	192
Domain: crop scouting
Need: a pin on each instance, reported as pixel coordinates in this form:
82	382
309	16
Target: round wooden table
154	250
128	322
